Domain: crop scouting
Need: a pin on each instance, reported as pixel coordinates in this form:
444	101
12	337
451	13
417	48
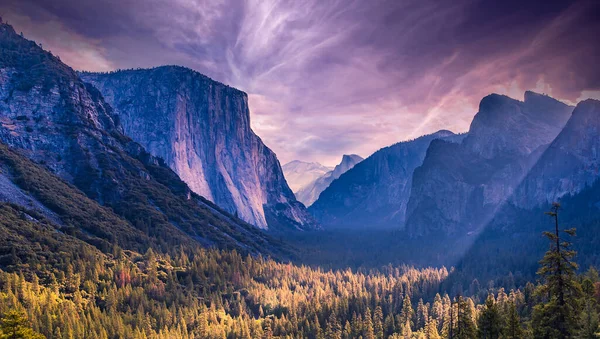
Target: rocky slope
375	192
53	118
571	162
299	174
459	186
201	128
567	171
310	193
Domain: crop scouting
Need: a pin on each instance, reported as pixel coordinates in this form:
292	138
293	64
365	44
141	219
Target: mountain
310	193
374	193
299	174
201	128
459	187
567	171
571	162
51	117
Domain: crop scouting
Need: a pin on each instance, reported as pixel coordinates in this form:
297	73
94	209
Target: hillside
54	119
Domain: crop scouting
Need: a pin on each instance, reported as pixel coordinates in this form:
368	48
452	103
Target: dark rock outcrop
375	192
571	162
459	187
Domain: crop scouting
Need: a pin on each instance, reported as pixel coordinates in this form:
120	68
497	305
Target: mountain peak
351	158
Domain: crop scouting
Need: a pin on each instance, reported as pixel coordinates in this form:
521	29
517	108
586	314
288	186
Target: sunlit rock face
569	164
374	193
459	186
201	128
310	193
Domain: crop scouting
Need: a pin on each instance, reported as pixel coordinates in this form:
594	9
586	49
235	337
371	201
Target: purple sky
328	77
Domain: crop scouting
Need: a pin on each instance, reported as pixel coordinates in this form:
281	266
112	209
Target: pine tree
347	330
14	325
556	316
389	324
422	315
333	329
369	333
407	313
465	327
490	322
588	320
378	322
513	328
431	331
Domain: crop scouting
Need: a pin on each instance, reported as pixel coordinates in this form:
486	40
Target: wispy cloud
331	77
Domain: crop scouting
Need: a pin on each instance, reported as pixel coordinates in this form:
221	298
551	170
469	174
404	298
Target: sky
331	77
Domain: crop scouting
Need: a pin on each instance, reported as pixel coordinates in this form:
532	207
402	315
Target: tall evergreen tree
407	314
513	328
431	331
14	325
465	327
378	322
588	319
556	317
333	329
489	324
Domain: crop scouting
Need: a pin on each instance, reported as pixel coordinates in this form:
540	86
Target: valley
140	203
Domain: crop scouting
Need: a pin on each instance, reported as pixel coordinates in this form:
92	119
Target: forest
73	290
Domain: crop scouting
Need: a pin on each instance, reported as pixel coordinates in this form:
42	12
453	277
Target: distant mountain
299	174
459	187
201	128
310	192
374	193
50	116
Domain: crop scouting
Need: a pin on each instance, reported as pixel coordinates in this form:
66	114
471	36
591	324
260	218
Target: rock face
310	193
571	162
299	174
53	118
459	186
201	128
375	192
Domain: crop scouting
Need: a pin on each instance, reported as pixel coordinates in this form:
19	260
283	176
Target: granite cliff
201	128
50	116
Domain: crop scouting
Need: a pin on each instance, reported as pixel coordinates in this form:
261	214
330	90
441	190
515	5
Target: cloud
326	78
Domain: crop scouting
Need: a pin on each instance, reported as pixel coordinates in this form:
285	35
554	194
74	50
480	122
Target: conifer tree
407	313
14	325
333	329
489	324
556	315
378	322
513	328
422	314
465	327
588	319
368	330
431	331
